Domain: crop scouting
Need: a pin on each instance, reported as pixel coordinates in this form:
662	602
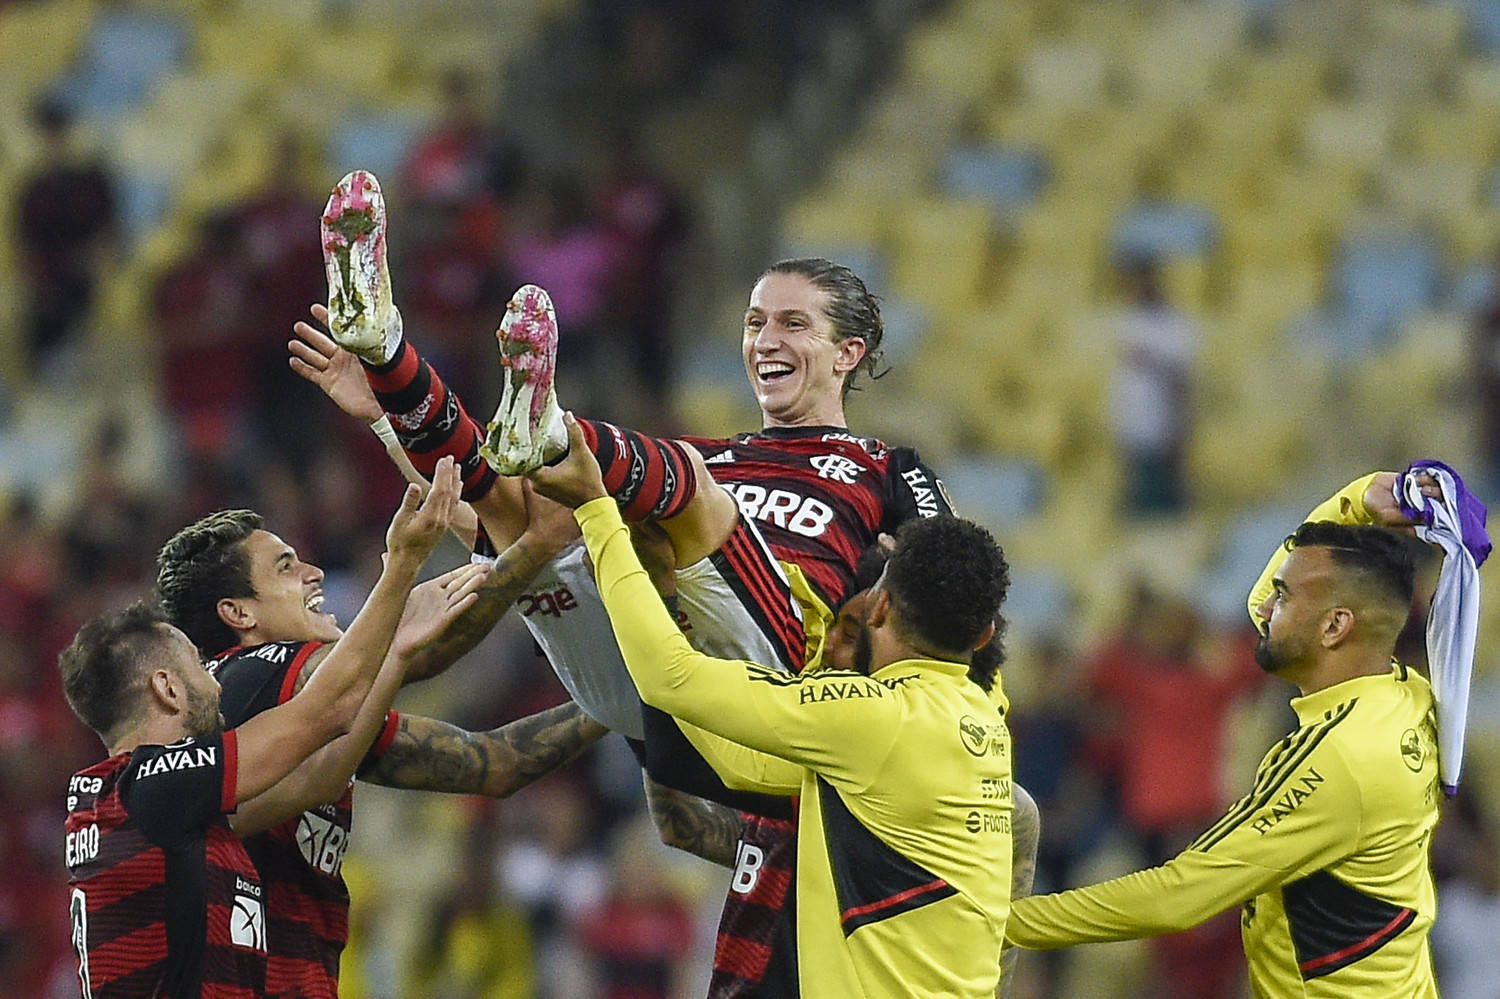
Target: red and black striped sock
429	420
650	477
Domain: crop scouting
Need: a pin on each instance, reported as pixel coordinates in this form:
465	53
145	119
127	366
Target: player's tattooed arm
426	655
1026	834
694	824
431	755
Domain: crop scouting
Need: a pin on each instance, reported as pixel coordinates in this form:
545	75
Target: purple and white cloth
1456	523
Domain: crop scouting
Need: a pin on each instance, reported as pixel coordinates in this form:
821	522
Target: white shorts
734	604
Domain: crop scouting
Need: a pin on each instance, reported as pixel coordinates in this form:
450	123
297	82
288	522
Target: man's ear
235	614
1338	625
984	637
851	351
165	689
879	608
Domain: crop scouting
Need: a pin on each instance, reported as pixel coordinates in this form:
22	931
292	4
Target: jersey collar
1312	707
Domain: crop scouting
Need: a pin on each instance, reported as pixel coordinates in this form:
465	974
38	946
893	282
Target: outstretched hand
331	368
419	524
432	607
576	479
1380	498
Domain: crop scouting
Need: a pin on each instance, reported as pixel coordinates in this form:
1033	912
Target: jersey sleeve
258	679
1347	506
1302	816
172	791
912	490
672	760
839	724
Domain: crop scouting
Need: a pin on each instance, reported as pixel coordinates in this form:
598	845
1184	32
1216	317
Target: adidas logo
722	458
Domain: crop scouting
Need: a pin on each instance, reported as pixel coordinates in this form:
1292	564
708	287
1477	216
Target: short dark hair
202	564
854	310
101	667
947	579
1379	557
987	659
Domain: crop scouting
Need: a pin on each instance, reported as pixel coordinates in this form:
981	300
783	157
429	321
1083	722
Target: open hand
576	479
331	368
419	524
433	606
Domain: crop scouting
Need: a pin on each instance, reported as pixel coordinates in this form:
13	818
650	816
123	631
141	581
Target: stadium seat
996	491
1381	275
377	140
125	54
1157	229
1007	178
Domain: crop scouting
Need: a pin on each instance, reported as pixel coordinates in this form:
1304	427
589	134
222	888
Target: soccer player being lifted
765	545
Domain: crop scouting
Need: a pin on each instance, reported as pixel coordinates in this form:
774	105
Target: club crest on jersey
836	467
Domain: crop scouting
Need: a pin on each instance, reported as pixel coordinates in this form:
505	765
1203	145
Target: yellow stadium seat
1062	75
954	63
1433	190
837	216
1355	136
942	252
1444	131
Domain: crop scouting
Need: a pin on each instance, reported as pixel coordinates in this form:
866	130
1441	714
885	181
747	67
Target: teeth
315	602
766	370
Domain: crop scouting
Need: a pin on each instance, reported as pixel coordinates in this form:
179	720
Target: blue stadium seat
1382	275
1158	229
1484	24
995	491
126	53
377	141
1008	178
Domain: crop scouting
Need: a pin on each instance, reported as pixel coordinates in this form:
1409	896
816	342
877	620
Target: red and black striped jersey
822	495
307	903
165	902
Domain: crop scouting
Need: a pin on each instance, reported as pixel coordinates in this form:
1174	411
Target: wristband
387	433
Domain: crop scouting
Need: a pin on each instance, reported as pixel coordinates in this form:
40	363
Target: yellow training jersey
1328	853
903	847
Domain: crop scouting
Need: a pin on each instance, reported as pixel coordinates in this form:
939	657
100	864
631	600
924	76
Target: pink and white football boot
361	317
527	431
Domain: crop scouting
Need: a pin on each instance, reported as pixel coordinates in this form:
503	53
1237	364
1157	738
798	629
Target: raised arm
430	755
273	742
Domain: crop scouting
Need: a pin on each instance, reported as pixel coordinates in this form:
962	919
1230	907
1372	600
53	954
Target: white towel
1452	622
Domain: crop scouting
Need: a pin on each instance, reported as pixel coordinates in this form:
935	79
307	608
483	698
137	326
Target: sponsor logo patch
1412	753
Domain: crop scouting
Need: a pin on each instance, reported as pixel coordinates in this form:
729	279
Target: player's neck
1335	670
157	730
830	415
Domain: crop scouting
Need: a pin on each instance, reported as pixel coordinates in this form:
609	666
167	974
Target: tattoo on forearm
431	755
1026	834
694	824
514	570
